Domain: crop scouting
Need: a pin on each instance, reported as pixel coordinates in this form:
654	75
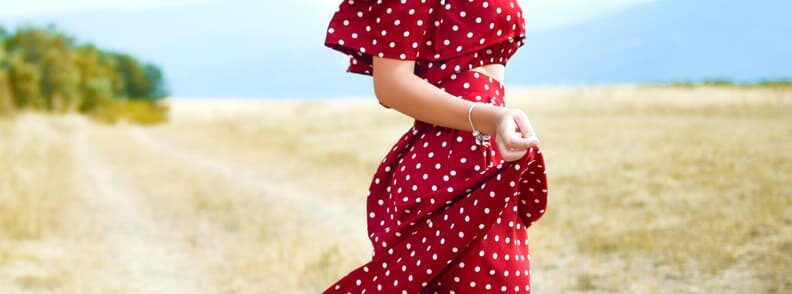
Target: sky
539	14
731	41
16	8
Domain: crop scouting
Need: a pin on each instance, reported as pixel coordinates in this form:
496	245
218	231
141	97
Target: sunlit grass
685	183
35	164
688	182
653	189
35	196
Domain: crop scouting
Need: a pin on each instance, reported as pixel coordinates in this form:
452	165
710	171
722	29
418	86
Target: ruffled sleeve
473	26
398	29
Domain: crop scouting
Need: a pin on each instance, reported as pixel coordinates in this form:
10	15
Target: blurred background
188	146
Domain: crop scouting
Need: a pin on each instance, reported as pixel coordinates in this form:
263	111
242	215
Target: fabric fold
444	212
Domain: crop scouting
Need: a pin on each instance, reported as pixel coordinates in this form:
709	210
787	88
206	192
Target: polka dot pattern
443	37
445	215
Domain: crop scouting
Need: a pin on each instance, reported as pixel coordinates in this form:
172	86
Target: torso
495	70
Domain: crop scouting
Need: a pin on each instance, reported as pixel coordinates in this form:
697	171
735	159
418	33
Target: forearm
417	98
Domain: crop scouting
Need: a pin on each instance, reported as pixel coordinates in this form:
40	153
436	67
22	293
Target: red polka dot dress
445	214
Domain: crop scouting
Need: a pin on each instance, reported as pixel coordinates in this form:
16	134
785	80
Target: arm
397	87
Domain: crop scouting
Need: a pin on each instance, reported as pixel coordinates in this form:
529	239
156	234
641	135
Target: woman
449	204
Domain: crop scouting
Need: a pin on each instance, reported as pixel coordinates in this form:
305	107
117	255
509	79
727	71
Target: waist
472	86
493	70
475	86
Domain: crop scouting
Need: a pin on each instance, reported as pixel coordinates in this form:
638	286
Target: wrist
486	116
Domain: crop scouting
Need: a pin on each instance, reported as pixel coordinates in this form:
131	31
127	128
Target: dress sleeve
397	29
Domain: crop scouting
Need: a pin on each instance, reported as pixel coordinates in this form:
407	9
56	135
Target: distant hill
663	41
229	48
251	48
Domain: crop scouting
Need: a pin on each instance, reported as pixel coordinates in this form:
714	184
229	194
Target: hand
514	134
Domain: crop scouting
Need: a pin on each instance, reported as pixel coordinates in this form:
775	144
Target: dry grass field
652	190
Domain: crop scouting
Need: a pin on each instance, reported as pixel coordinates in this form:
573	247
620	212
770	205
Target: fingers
510	136
515	135
511	155
508	153
523	124
526	129
513	140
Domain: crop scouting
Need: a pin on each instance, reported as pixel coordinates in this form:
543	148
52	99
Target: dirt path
314	206
171	219
316	209
137	255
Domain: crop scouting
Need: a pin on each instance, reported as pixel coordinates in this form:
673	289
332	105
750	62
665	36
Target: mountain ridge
242	48
665	41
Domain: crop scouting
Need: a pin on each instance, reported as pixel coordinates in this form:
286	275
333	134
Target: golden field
652	190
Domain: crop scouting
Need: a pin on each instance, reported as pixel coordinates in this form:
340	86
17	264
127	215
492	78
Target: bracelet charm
481	138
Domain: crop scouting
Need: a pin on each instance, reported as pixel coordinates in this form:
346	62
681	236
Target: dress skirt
448	216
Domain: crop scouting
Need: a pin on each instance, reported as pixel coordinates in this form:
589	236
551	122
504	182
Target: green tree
6	102
156	79
140	81
60	81
136	85
97	93
3	52
25	79
45	69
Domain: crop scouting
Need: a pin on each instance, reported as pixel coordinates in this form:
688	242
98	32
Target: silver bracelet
481	138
